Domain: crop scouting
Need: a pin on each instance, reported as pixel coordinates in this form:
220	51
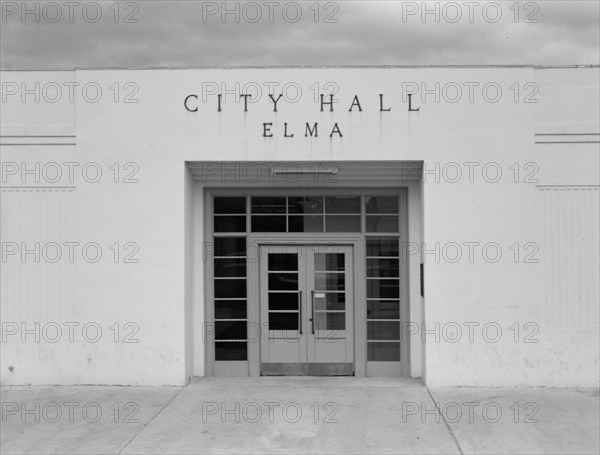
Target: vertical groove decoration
570	289
34	289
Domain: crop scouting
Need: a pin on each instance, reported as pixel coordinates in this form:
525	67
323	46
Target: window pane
287	301
342	204
266	223
382	246
230	330
331	301
383	330
383	288
330	321
383	309
329	262
230	205
381	204
329	281
268	204
283	321
385	268
283	281
383	352
230	246
382	223
305	204
229	223
230	267
230	309
305	223
283	261
340	223
231	289
231	351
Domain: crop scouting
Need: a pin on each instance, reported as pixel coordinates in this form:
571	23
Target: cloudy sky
61	35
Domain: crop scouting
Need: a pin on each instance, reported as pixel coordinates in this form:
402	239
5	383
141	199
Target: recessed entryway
308	281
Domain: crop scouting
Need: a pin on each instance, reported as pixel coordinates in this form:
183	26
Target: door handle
300	312
312	319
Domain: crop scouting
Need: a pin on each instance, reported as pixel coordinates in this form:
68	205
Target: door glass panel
329	296
283	276
231	350
283	321
329	262
334	281
283	281
330	321
230	330
283	261
330	301
283	301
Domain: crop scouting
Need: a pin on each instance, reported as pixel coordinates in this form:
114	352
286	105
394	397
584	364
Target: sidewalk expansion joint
445	422
150	421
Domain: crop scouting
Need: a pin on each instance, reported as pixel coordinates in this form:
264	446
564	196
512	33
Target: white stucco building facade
159	224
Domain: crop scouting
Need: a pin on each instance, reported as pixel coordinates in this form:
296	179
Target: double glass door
306	310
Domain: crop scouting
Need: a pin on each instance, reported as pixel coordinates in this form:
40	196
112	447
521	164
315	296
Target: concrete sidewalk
298	415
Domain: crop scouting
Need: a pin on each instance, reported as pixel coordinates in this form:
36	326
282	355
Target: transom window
306	214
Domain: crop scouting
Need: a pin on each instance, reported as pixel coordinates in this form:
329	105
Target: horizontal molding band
567	134
36	188
33	135
567	142
38	143
568	187
38	139
567	138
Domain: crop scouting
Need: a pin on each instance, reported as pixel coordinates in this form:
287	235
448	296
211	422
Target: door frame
352	240
204	360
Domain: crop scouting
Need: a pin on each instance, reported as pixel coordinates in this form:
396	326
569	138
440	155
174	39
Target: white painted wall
159	136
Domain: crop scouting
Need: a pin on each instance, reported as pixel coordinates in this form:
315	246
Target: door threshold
307	369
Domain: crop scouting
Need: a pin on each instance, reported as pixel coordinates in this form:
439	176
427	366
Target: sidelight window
230	275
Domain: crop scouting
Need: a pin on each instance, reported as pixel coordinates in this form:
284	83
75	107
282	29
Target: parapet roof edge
220	67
